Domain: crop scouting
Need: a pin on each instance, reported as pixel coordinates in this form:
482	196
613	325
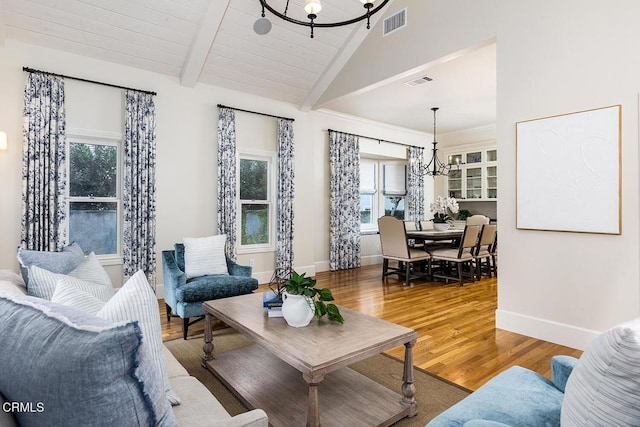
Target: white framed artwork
568	172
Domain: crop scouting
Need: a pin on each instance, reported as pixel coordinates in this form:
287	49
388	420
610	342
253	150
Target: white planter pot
297	310
441	226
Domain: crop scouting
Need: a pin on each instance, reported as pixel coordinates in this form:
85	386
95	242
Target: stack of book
273	303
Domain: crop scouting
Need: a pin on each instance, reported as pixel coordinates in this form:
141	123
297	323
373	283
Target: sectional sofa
37	388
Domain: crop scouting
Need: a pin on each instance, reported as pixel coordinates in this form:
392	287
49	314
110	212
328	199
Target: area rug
433	395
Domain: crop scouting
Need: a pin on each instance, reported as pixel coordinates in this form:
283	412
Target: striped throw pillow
136	301
89	276
73	294
604	387
205	255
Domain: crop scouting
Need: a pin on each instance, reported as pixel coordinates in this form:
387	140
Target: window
390	201
368	189
256	214
94	194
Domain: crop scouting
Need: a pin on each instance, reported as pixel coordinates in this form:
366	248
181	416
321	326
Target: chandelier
435	167
312	8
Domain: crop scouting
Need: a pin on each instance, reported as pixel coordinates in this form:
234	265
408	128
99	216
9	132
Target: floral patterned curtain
285	195
415	192
139	185
44	176
227	178
344	209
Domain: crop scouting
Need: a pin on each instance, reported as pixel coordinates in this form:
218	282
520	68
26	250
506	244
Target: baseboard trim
365	260
548	330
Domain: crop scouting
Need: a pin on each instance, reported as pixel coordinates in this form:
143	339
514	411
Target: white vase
441	226
297	310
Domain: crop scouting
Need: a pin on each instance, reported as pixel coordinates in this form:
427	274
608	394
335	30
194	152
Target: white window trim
86	136
270	157
379	196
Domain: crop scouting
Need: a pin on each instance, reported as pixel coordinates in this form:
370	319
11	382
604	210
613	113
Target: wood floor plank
457	338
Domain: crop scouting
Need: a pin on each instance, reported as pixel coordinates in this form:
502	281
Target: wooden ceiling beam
202	42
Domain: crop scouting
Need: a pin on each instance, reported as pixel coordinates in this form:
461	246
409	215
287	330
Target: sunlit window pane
366	209
254	179
255	224
94	226
93	170
394	206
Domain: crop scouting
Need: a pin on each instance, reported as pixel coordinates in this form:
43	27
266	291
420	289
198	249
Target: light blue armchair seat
515	397
184	297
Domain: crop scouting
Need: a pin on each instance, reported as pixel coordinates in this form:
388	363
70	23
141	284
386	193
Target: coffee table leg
313	410
208	340
408	387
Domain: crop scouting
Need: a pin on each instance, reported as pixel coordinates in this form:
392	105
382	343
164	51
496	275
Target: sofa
602	388
198	406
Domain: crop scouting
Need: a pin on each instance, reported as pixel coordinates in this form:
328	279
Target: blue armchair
184	297
515	397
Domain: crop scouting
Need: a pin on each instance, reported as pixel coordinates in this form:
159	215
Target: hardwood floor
457	338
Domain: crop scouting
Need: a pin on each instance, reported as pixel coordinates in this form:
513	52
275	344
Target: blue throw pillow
57	262
66	367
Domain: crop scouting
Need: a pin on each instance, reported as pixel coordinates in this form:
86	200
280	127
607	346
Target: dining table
435	235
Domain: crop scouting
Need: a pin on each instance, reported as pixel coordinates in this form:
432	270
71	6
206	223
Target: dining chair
493	250
393	240
460	257
478	220
482	251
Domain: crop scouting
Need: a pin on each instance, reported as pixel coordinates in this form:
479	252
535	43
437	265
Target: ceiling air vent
394	22
419	81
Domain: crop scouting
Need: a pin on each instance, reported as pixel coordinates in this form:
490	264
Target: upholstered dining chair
459	257
482	251
393	240
478	220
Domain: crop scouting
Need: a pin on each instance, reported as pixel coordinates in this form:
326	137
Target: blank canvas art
568	172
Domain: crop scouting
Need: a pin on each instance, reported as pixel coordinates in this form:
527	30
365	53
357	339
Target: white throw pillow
42	283
604	387
136	301
205	255
75	293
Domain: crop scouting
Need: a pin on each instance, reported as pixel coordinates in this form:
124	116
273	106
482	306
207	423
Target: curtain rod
255	112
377	139
31	70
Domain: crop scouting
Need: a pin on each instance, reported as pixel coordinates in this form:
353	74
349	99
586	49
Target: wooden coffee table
300	376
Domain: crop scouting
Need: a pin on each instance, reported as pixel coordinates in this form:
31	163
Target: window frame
378	205
91	137
270	158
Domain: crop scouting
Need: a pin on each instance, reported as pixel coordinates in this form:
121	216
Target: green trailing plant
300	284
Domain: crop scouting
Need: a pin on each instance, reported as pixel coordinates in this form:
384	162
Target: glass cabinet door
475	157
474	183
455	183
492	182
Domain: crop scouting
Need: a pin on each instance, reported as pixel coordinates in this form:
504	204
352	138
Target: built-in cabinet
474	174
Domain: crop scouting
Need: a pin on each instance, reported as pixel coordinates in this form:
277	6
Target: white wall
552	58
186	151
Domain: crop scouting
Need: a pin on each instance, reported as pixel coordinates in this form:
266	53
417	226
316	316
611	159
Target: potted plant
302	300
442	208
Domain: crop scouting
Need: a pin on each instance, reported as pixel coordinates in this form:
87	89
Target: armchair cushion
604	388
210	287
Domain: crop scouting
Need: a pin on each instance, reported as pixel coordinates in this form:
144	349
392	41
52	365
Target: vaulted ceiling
213	42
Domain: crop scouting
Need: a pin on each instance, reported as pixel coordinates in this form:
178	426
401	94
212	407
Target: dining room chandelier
435	167
312	8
